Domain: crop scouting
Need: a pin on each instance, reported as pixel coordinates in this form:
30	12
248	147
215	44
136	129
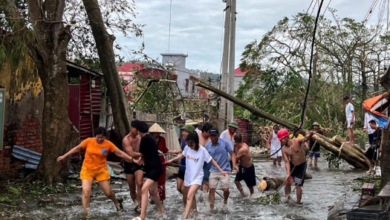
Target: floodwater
326	188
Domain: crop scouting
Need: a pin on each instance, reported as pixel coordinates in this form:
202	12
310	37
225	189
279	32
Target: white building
238	78
177	61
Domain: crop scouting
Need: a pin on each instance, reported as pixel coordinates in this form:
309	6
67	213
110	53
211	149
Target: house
177	62
238	78
128	72
23	110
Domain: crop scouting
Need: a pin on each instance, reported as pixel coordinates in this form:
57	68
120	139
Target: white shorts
349	124
198	180
275	155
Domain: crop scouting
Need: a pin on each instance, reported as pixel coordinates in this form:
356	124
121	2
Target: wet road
326	187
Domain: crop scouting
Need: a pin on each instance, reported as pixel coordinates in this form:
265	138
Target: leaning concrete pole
230	105
224	67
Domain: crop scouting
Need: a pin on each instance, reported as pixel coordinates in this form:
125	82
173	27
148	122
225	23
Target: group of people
371	155
274	145
206	159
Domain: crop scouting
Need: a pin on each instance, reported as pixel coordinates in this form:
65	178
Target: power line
370	10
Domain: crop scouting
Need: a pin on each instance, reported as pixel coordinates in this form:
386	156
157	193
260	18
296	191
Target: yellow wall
21	80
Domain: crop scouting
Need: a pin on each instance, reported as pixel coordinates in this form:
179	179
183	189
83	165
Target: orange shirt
96	154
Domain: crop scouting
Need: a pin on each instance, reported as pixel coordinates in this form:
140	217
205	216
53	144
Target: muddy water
326	187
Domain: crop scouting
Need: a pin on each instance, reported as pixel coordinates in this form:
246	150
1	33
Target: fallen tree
348	152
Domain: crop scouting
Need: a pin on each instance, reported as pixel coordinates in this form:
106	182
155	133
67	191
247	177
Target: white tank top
275	143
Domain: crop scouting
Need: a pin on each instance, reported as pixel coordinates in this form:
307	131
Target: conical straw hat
155	128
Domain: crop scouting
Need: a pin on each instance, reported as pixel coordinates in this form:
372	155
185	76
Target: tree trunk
385	157
364	77
48	49
104	42
348	153
338	141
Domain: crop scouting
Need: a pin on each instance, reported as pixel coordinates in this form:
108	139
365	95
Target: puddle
326	187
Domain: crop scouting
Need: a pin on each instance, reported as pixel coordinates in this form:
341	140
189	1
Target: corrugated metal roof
32	158
84	69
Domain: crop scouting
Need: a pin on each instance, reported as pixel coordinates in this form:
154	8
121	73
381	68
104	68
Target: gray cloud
197	25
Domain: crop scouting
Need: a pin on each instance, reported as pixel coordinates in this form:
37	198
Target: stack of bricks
28	134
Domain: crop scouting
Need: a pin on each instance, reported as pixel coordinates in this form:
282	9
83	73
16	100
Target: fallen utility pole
350	153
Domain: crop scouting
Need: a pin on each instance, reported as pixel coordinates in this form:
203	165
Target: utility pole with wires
226	110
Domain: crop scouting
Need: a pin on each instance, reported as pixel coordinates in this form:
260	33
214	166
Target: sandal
137	218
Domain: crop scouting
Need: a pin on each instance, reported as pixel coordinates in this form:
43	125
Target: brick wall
25	133
28	134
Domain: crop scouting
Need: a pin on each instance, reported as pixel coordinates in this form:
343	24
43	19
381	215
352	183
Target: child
195	156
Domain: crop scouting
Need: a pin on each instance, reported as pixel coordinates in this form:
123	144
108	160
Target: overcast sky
197	26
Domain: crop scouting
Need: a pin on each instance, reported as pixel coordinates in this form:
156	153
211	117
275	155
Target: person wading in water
95	166
295	162
274	146
246	170
195	156
133	171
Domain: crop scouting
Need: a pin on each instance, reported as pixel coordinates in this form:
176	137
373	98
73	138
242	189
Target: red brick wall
28	134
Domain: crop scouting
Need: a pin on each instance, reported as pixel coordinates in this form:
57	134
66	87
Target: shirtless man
246	170
295	161
133	171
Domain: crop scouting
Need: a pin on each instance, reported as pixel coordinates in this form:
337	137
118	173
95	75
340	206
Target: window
187	84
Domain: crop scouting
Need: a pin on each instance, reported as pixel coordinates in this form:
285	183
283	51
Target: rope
341	148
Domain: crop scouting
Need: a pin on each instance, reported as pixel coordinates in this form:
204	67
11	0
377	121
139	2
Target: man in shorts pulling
295	162
219	150
133	171
246	170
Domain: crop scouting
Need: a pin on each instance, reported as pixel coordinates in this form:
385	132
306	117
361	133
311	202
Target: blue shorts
315	154
206	171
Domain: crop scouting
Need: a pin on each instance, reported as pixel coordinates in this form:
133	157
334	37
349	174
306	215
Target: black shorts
247	174
370	138
131	168
371	154
180	174
298	173
153	174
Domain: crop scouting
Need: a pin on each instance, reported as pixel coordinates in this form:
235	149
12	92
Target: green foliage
367	179
270	199
118	16
278	67
333	161
12	193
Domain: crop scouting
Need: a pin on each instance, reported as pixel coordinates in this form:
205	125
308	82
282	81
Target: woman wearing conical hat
155	130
